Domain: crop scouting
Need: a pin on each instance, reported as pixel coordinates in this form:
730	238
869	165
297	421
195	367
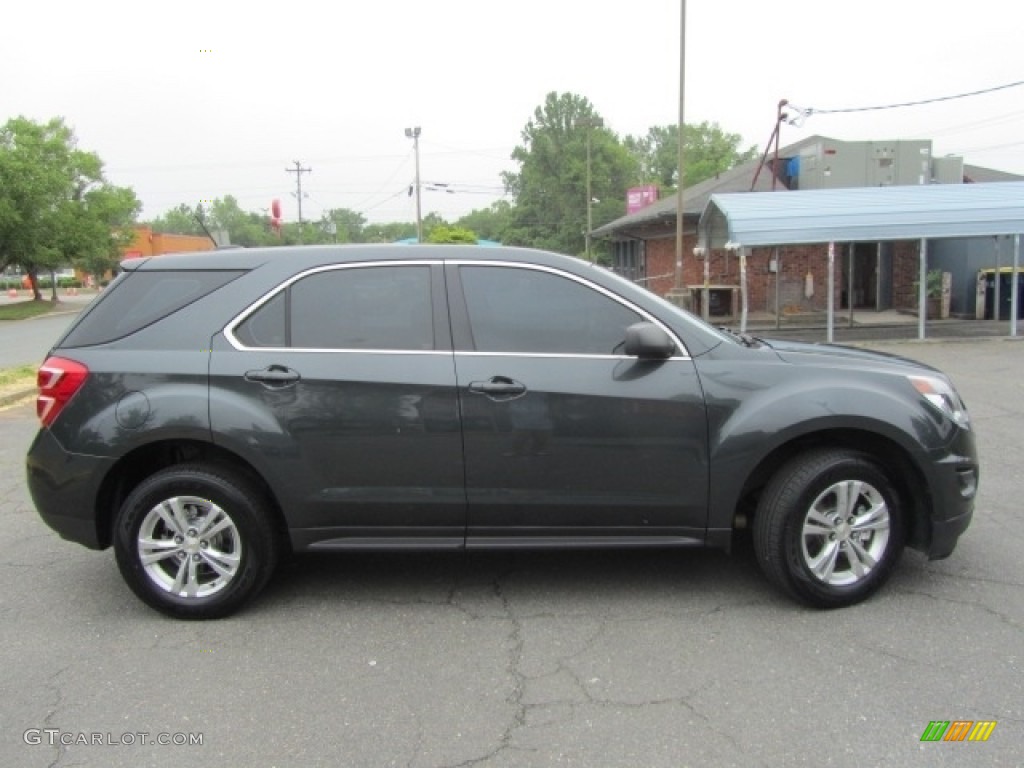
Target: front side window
386	307
531	311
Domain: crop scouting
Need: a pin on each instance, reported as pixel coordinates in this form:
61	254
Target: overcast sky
187	101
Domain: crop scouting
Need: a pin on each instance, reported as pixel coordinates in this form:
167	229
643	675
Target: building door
883	290
860	275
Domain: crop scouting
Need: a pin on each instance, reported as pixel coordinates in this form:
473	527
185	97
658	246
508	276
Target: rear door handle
498	386
274	376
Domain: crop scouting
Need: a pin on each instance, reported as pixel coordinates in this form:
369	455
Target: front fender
750	418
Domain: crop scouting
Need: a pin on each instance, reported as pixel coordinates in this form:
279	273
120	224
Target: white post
1014	277
850	249
778	271
743	290
922	288
995	288
830	323
705	296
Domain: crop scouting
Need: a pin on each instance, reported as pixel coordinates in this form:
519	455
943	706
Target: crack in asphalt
522	719
53	684
1002	617
935	573
515	698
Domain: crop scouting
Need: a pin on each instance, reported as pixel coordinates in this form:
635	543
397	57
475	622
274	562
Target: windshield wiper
746	339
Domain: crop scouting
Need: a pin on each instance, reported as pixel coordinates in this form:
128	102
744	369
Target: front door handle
274	376
498	387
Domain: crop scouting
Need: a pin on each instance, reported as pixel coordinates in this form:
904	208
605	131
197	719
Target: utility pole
590	123
298	170
414	134
682	165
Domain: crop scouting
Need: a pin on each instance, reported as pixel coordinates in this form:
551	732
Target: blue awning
862	214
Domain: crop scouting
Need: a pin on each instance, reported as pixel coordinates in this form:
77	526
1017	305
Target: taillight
58	380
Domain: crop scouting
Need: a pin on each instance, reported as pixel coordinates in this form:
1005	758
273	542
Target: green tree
455	235
223	214
180	220
348	225
104	228
432	221
244	228
550	188
708	151
55	206
390	232
490	223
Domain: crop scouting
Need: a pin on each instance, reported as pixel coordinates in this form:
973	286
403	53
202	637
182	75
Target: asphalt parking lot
673	658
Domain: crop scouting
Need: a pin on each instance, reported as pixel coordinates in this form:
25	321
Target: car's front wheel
829	527
195	542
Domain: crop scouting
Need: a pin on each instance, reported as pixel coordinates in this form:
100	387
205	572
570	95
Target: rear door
340	388
565	437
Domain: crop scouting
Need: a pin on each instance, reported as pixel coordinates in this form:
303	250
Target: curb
49	314
10	398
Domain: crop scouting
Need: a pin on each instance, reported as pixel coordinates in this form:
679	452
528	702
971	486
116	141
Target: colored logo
958	730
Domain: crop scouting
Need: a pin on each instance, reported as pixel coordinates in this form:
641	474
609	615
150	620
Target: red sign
640	197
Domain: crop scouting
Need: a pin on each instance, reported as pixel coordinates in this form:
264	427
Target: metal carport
740	221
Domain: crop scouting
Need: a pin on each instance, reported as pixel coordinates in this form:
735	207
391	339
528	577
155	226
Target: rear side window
381	307
139	299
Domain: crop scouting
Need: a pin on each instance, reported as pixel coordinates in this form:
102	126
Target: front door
564	435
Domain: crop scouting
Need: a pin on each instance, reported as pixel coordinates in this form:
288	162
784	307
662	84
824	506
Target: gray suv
211	413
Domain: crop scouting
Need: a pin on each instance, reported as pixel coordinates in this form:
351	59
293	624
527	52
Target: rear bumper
64	487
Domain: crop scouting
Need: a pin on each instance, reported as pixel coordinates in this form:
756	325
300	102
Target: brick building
793	279
150	243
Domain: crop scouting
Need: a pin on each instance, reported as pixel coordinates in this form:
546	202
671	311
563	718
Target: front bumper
64	487
954	486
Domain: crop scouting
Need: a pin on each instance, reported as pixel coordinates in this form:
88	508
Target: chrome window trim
229	328
683	353
349	351
559	355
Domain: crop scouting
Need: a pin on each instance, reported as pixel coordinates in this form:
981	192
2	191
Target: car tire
195	542
829	528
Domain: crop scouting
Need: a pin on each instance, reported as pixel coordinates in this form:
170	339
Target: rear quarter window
139	299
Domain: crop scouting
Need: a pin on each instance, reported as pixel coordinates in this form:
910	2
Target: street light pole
414	134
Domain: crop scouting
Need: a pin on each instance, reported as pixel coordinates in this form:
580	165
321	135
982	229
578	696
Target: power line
402	191
813	111
993	147
983	123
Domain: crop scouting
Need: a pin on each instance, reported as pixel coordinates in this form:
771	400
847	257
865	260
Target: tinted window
266	326
363	308
525	310
138	299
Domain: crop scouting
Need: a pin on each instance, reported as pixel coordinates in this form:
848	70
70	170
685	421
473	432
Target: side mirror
648	342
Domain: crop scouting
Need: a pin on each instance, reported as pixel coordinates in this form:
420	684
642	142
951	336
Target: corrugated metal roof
863	214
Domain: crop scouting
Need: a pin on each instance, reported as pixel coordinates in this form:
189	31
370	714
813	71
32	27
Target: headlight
941	394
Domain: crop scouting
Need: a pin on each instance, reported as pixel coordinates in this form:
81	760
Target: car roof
308	256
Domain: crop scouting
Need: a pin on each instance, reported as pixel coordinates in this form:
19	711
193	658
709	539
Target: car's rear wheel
194	542
829	528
